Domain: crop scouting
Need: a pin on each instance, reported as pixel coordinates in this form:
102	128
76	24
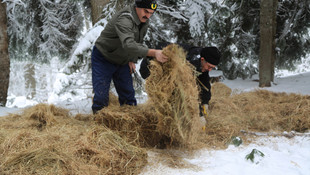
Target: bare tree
96	9
268	26
4	56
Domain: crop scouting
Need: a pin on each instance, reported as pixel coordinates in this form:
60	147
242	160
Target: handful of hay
173	96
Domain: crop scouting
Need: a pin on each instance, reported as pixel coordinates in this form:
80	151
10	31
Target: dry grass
259	111
48	140
136	125
170	116
45	139
174	96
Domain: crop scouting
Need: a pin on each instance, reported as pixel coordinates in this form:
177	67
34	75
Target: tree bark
268	26
4	56
96	9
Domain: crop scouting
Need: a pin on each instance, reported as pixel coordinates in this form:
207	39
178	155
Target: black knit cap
211	54
148	4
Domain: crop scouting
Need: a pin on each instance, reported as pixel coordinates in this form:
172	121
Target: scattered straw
260	111
45	139
64	145
136	125
107	149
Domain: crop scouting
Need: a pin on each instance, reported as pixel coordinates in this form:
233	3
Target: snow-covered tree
293	36
59	28
195	10
39	29
22	29
234	27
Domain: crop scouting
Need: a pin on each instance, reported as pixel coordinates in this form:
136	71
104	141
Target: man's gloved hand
203	122
205	109
203	115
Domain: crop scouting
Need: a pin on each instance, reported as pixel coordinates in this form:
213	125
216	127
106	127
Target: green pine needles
252	155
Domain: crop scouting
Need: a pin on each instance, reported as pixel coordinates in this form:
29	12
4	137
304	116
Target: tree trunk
96	9
4	56
267	42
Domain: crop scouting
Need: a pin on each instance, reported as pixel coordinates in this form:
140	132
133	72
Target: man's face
144	14
205	66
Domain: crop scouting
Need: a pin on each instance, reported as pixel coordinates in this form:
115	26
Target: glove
204	109
203	123
203	114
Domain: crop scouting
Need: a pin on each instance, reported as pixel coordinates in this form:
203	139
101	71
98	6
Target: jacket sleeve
125	30
144	68
205	86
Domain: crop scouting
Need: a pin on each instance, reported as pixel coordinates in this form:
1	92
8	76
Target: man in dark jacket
204	60
117	50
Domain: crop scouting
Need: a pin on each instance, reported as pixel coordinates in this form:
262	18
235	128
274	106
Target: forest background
58	35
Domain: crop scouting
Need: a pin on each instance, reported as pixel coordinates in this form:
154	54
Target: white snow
299	84
6	111
281	156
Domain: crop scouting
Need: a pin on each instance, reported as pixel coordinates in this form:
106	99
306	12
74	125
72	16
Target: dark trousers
102	73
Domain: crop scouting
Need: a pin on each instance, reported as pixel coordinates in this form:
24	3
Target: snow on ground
299	84
281	155
5	111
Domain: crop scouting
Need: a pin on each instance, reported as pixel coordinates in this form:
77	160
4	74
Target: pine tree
59	29
40	28
293	37
196	11
23	29
234	27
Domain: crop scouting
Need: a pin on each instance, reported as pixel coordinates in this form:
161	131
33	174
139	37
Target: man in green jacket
117	50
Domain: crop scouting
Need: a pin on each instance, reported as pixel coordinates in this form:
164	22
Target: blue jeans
102	73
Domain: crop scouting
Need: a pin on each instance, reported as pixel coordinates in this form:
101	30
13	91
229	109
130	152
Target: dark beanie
211	54
148	4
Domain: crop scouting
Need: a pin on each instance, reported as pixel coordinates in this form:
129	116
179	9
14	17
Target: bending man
117	50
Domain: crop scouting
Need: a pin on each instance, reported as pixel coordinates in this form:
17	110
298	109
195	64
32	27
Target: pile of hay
135	124
47	140
170	116
173	96
257	111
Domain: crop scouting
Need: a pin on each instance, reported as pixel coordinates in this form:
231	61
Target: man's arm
205	86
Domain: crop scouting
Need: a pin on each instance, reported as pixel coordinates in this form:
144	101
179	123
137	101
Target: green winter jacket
121	40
